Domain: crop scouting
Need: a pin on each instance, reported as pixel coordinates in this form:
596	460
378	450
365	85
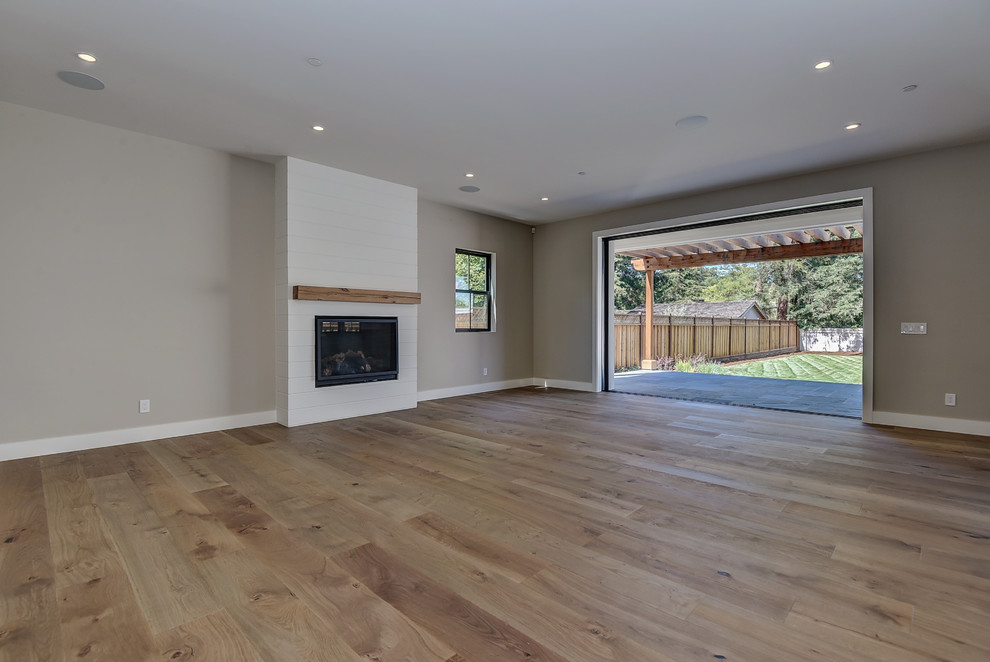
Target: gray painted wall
135	267
130	267
931	218
448	359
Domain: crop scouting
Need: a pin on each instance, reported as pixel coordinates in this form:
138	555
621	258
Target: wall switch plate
950	399
485	372
914	328
144	406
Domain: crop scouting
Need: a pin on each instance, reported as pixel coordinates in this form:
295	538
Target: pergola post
647	362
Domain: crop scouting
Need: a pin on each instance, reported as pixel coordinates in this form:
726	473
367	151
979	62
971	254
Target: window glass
473	291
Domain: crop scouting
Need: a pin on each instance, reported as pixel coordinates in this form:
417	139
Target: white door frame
603	274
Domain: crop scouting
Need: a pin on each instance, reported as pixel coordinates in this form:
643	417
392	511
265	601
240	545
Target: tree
778	285
813	291
680	285
731	282
832	293
669	285
630	285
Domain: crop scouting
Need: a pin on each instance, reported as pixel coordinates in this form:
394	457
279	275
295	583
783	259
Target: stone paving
785	394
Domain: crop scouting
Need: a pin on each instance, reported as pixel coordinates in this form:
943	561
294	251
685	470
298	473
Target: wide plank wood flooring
531	524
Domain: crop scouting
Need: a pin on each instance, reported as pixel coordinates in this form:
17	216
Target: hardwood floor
520	525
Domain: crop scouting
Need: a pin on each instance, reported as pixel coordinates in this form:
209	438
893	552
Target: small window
473	291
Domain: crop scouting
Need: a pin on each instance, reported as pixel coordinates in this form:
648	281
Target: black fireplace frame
338	380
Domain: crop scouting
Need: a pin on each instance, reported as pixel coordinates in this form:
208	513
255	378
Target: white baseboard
565	384
471	389
938	423
78	442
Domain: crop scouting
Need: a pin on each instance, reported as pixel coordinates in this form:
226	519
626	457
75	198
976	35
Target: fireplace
356	349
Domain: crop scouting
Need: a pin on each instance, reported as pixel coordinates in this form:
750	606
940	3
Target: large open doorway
700	350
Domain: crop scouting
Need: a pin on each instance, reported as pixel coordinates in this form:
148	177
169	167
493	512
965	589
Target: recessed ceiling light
824	64
469	189
85	81
853	126
691	122
469	174
314	62
909	88
86	57
544	198
317	127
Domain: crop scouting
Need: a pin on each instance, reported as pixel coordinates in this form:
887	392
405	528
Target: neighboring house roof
725	309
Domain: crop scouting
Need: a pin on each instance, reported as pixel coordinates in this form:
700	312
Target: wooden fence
716	338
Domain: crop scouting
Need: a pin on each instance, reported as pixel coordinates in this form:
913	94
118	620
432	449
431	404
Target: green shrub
698	363
666	363
710	368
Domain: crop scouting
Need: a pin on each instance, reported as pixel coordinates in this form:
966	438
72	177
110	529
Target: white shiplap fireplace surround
339	229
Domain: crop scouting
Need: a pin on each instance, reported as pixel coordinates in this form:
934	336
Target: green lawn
806	367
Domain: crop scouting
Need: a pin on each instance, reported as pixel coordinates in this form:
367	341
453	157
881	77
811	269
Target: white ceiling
525	93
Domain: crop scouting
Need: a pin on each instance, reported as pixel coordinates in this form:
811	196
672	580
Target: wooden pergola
840	238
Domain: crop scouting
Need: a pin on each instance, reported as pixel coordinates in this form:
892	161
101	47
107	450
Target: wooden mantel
313	293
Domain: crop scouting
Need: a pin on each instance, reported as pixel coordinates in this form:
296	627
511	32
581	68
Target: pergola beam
789	252
741	242
839	231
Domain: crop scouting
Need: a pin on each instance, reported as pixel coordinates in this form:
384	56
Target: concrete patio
785	394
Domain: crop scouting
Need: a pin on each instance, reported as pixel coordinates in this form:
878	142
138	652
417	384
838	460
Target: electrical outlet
950	399
485	372
144	406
